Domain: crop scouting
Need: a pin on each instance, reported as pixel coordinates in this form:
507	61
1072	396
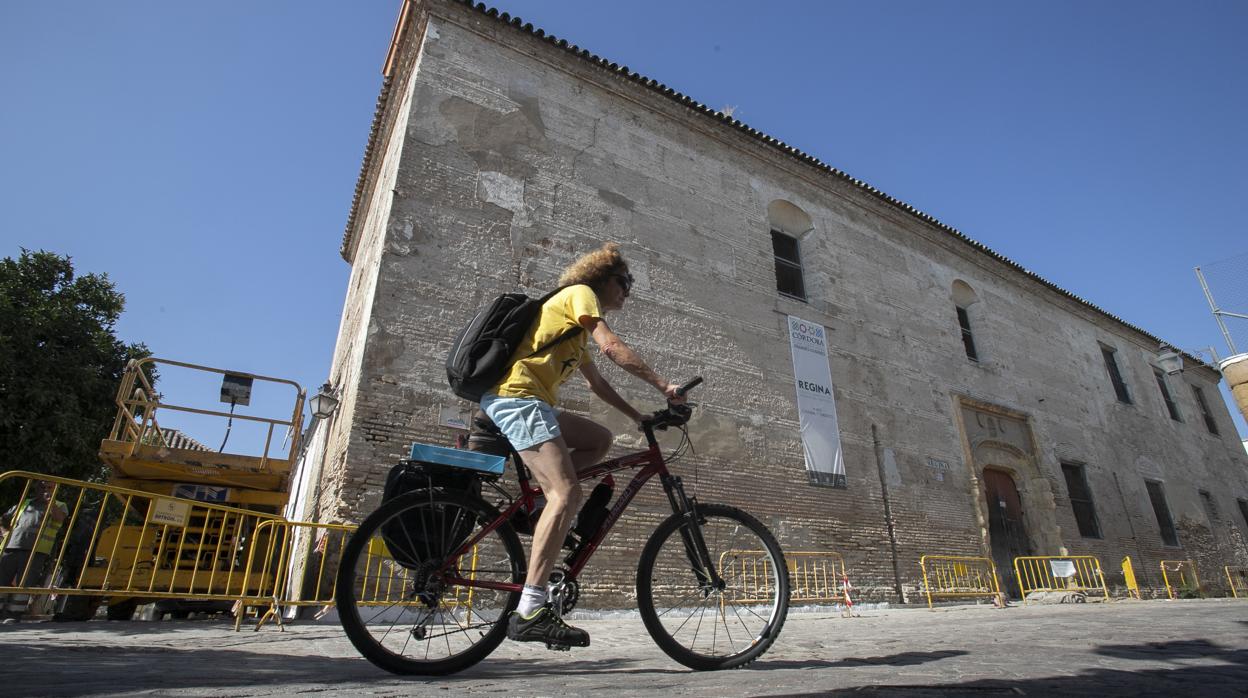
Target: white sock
531	599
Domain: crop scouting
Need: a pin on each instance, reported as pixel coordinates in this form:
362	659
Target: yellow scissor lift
190	525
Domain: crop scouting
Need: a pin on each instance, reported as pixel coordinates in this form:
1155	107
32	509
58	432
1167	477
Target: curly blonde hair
593	269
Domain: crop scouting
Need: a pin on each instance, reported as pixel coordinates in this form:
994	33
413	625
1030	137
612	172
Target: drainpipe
888	512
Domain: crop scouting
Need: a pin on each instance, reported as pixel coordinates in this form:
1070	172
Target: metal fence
1128	574
814	576
286	580
1237	578
951	576
1059	573
1180	573
67	537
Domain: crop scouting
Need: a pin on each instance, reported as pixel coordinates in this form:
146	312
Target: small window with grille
1211	425
1115	375
1081	500
788	265
1172	408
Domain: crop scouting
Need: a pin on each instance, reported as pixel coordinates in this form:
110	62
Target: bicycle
426	583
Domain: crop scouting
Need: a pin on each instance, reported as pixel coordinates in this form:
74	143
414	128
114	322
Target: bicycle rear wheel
404	616
697	622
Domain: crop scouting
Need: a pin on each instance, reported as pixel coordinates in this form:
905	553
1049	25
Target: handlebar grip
689	386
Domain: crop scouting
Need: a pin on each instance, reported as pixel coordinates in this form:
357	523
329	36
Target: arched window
788	225
963	298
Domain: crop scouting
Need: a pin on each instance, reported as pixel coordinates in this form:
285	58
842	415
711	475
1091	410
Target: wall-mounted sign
816	404
453	418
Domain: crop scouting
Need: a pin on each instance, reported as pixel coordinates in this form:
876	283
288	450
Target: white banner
816	404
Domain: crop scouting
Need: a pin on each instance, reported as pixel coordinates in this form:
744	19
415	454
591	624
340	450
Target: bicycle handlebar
697	380
673	415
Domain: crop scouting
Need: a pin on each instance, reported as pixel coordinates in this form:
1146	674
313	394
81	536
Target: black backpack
482	351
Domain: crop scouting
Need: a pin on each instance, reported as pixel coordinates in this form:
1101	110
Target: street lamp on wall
324	403
1171	360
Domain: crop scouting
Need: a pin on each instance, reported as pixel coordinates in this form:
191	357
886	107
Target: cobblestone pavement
1151	648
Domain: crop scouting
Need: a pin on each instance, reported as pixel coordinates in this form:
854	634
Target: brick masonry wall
516	157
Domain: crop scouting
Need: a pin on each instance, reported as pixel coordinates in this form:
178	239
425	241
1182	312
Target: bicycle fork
691	535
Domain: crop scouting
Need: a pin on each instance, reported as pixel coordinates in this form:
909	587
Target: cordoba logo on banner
816	403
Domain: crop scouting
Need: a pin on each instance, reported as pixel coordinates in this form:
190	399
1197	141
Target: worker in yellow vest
30	530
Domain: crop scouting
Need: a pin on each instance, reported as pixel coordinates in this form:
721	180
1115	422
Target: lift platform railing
138	404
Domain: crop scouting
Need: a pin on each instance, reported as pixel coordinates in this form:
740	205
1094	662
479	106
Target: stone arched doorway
1013	502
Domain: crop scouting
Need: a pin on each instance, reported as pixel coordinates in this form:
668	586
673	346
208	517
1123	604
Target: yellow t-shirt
541	375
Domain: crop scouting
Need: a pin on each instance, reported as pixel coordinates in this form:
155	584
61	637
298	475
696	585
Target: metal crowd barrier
300	569
1185	571
814	576
125	545
1128	574
952	576
285	581
1237	578
1081	573
106	541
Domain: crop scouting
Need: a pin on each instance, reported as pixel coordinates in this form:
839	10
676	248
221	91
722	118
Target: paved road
1151	648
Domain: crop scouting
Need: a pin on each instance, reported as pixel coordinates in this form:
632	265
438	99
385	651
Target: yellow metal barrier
105	541
959	577
1128	574
1232	575
311	580
1081	573
284	581
813	575
1185	570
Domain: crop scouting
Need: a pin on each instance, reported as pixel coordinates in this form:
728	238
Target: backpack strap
557	340
566	335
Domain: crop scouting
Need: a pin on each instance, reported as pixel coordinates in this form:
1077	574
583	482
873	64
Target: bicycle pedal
558	648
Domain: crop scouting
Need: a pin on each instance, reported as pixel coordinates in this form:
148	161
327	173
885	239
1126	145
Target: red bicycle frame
651	463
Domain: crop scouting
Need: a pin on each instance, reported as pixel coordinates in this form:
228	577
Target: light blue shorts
526	421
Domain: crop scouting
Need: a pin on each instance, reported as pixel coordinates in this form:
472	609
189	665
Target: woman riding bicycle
555	445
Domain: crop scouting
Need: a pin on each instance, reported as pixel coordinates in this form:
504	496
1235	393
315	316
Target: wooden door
1006	531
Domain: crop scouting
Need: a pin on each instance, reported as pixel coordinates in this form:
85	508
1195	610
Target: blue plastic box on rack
471	460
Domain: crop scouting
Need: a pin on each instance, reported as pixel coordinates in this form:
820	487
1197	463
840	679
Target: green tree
60	365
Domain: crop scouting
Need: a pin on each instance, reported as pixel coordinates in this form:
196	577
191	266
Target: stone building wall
510	155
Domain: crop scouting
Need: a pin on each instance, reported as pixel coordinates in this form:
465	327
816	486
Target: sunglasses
625	281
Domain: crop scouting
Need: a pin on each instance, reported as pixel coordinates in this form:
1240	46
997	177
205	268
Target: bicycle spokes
412	607
718	603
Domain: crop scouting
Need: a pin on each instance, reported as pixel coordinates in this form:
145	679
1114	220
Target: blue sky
205	154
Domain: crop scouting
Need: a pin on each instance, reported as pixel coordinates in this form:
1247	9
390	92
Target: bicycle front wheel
718	617
409	612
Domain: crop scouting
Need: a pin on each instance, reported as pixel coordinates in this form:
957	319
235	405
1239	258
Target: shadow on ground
46	667
903	659
102	669
129	628
1228	678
